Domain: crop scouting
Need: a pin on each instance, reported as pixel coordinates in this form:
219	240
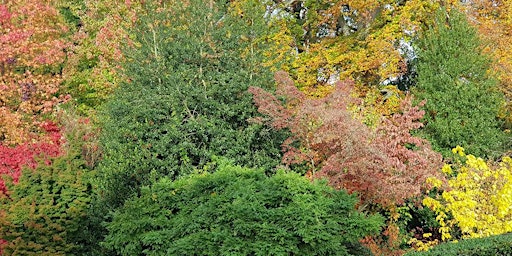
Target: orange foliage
32	49
494	24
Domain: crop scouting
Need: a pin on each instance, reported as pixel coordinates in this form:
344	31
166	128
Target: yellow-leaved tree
478	201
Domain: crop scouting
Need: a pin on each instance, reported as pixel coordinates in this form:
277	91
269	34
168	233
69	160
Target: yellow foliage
479	198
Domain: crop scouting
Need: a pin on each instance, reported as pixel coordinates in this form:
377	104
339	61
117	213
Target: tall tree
186	99
462	99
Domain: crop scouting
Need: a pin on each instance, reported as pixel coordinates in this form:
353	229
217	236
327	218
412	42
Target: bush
240	211
43	213
489	246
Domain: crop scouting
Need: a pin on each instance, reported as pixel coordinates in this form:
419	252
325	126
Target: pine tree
462	99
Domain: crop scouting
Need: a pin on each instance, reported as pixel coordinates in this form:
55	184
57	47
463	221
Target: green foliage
489	246
239	211
186	100
462	99
44	212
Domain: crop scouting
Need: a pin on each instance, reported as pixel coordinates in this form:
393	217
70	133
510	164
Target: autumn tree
385	166
240	211
368	41
99	28
462	98
32	50
186	98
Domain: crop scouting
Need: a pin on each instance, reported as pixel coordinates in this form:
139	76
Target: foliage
32	50
462	99
385	166
186	99
489	246
239	211
321	42
99	28
478	200
493	22
13	159
44	211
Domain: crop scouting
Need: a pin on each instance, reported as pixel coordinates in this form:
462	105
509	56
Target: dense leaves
14	159
44	211
477	203
186	100
239	211
462	99
385	166
32	50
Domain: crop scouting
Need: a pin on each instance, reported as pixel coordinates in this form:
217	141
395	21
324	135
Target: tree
367	41
32	50
93	69
385	166
239	211
186	98
462	99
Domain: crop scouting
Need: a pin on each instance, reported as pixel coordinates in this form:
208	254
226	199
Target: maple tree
28	155
385	166
32	50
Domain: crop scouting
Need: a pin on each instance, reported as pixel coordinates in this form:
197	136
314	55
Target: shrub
43	213
239	211
489	246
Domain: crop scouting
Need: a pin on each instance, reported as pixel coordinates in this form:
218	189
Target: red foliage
385	166
13	159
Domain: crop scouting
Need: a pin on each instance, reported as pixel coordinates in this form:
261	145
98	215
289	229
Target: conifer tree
462	99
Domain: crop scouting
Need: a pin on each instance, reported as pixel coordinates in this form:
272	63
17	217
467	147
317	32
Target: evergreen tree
189	69
462	98
240	211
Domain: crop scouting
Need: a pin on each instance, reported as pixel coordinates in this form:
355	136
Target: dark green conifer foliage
43	213
462	98
239	211
190	67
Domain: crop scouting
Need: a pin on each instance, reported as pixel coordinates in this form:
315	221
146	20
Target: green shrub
489	246
44	213
240	211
